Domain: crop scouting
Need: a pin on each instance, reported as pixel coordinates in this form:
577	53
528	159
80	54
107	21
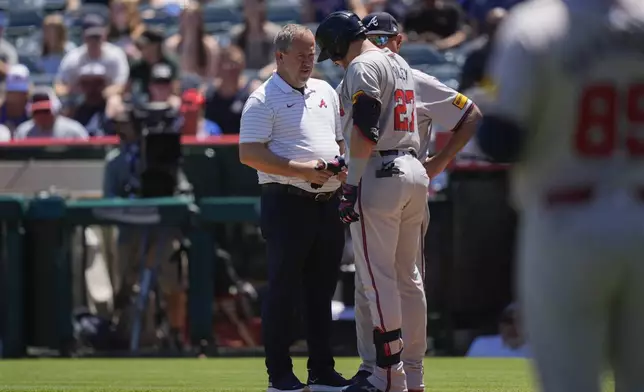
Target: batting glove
335	166
348	200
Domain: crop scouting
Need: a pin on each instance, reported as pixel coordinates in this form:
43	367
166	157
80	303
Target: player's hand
434	166
342	176
348	200
335	167
313	172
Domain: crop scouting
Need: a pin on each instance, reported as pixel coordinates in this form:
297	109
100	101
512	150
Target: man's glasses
379	40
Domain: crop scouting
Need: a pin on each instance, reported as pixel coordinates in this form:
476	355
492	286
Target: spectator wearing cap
192	103
46	122
161	87
13	111
54	43
90	111
8	54
226	97
95	49
151	45
192	112
439	22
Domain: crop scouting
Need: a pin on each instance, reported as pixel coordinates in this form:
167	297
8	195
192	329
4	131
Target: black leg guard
384	357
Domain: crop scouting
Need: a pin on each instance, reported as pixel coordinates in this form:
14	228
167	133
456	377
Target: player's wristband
357	169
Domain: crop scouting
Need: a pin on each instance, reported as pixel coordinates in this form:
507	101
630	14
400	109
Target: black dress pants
304	241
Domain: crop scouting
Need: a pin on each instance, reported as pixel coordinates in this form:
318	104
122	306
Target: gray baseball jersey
570	73
386	76
392	205
435	104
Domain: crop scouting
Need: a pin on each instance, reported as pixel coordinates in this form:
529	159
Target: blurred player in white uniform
567	81
435	103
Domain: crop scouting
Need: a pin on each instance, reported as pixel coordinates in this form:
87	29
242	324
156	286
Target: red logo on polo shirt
341	108
322	103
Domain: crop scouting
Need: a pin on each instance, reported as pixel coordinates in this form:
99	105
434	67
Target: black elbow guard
366	115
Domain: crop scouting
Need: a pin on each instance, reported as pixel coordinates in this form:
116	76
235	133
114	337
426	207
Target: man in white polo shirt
290	130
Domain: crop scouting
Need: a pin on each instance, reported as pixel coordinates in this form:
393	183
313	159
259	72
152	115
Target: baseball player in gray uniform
567	107
385	195
435	103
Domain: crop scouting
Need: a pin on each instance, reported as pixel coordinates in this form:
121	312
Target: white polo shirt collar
285	87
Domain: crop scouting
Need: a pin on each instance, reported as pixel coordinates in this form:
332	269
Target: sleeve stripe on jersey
465	115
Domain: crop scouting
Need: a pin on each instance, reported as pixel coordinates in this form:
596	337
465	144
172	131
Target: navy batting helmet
336	32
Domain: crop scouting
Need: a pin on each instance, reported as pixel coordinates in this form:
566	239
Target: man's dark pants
304	241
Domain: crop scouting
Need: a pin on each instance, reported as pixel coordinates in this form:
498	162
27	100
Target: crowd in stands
68	66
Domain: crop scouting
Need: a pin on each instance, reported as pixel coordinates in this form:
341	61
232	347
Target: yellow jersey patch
354	97
488	86
460	101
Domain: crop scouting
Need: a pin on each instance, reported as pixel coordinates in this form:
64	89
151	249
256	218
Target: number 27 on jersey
404	110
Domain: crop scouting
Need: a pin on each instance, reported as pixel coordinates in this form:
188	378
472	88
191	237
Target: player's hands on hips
434	166
348	200
313	172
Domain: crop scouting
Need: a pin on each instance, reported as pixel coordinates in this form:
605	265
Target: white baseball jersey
383	75
571	74
437	104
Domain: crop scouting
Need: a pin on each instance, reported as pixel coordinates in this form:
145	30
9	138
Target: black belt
386	153
276	188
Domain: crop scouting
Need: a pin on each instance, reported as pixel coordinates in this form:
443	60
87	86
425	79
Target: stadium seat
75	35
219	14
283	13
42	79
312	26
190	81
32	62
223	39
250	74
25	17
290	3
218	28
16	34
416	53
446	73
50	6
75	18
14	4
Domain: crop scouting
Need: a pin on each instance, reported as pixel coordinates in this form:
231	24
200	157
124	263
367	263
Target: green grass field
239	374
